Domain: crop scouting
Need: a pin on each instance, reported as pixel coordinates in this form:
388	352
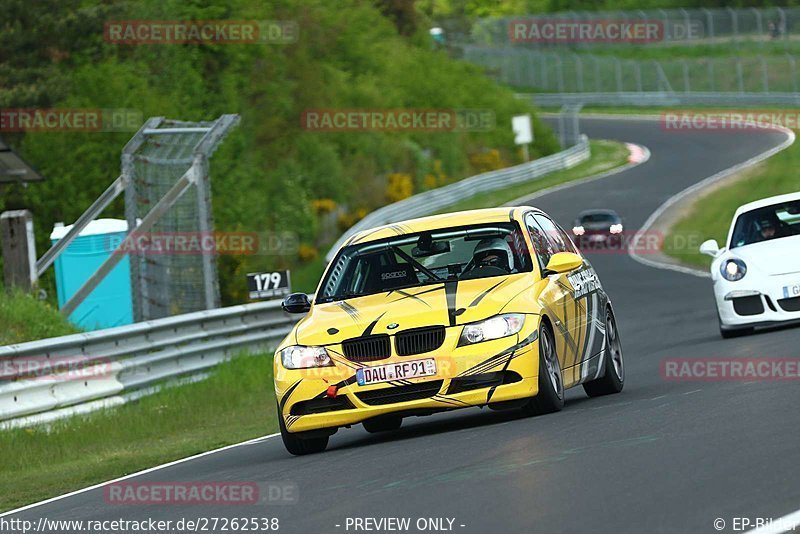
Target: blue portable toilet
111	303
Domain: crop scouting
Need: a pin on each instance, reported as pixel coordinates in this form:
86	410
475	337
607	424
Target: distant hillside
271	174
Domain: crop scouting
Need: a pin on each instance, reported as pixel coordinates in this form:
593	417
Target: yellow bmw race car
488	307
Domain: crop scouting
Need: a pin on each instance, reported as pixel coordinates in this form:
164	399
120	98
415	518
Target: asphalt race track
662	456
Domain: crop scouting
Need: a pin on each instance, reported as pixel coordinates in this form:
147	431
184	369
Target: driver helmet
493	252
767	226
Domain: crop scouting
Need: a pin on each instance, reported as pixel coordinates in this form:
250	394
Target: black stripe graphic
493	388
484	293
287	394
450	288
497	358
412	296
350	310
371	327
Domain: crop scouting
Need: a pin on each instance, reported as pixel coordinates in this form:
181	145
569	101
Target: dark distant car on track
597	228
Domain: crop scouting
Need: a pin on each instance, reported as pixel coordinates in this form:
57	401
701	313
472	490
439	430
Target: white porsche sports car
757	274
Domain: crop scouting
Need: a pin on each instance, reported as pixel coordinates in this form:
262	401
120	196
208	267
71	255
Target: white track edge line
790	138
138	473
786	523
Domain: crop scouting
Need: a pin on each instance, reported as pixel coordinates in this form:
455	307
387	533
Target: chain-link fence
579	73
577	52
155	162
672	26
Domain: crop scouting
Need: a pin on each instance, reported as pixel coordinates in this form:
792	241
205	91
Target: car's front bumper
762	302
499	370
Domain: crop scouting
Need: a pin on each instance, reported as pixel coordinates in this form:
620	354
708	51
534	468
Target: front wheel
551	383
613	379
298	445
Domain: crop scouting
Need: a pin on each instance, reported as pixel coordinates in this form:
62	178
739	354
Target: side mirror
563	262
296	303
710	248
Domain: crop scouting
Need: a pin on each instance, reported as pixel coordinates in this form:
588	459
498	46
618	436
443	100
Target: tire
613	379
551	382
297	445
382	424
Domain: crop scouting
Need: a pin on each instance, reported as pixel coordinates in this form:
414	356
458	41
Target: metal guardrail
661	99
110	367
437	199
100	365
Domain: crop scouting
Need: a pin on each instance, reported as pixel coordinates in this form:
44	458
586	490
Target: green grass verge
710	216
24	318
236	403
606	155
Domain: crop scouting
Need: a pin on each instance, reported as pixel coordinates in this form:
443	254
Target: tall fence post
597	86
739	76
793	70
686	86
711	81
638	70
709	23
759	25
559	74
734	23
19	249
543	65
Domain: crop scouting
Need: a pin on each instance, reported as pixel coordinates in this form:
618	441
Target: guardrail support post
19	249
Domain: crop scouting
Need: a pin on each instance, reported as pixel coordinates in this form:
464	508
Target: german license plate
396	371
791	291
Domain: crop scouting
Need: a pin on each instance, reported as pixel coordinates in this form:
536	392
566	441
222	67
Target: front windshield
764	224
420	259
599	217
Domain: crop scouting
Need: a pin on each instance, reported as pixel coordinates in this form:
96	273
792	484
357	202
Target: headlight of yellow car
300	357
492	328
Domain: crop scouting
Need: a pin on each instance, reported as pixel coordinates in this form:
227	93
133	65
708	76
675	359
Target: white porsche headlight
492	328
300	357
615	229
733	269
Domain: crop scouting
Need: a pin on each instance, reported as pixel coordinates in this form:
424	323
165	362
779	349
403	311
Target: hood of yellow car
446	304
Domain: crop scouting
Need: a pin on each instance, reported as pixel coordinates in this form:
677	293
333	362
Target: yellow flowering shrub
399	186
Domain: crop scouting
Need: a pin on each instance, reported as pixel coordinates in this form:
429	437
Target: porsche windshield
419	259
764	224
